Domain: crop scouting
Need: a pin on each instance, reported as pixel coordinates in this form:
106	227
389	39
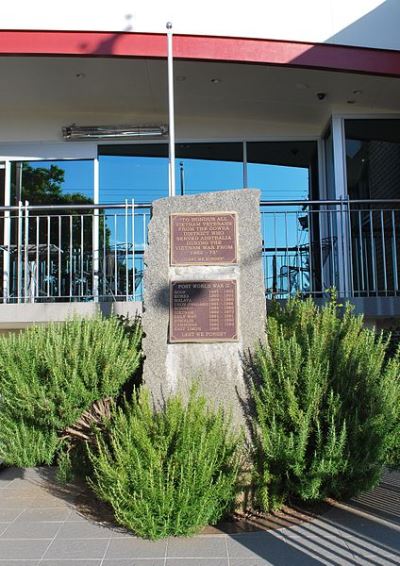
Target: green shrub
326	404
169	472
50	374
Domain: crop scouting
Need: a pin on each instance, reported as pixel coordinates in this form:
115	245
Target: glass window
205	167
373	172
281	169
373	158
135	171
52	182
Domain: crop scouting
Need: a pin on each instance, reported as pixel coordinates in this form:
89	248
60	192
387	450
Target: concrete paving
42	523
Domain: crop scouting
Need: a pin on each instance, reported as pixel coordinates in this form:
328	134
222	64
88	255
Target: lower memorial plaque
203	311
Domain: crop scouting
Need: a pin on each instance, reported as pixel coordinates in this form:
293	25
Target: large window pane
52	182
138	172
373	158
205	167
373	172
281	169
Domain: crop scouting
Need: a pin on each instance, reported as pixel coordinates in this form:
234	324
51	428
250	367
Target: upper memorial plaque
203	239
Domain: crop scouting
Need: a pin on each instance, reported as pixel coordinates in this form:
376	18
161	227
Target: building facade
298	99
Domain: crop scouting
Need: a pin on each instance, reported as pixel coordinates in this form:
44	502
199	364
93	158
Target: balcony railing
87	252
310	247
72	253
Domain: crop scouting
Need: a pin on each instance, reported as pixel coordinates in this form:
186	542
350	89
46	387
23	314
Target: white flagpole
171	112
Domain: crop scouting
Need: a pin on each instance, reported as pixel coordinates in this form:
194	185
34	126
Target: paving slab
129	548
197	547
22	549
50	514
76	549
197	562
30	530
83	529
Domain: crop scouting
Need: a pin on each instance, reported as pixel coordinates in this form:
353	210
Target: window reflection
373	158
52	182
373	172
206	167
138	172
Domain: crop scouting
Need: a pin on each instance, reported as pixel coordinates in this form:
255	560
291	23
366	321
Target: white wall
370	23
44	130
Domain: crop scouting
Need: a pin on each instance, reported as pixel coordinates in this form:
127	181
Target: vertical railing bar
37	274
310	259
145	232
275	279
8	219
385	281
367	278
26	245
95	253
115	257
361	251
262	249
59	256
81	258
48	257
19	244
71	266
133	250
342	237
373	260
104	254
298	262
350	250
126	252
95	233
331	238
394	253
287	261
321	255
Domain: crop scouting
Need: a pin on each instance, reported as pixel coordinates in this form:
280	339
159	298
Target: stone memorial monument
204	299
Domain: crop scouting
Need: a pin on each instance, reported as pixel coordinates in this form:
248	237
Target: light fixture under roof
76	133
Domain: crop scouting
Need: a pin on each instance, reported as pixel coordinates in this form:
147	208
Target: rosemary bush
326	403
166	473
50	374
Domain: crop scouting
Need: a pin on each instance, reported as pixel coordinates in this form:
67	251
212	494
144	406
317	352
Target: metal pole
171	112
182	177
7	231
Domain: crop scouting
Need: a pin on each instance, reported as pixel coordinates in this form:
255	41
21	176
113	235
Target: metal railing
58	253
310	247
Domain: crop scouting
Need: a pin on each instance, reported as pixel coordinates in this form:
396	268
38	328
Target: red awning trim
194	47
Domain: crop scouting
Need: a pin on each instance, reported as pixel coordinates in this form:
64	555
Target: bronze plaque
203	311
203	239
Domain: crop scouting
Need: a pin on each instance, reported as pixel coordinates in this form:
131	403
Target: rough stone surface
218	366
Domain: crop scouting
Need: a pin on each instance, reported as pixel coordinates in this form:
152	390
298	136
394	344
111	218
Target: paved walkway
43	524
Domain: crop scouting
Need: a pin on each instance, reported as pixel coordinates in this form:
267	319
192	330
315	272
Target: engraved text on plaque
203	311
203	239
